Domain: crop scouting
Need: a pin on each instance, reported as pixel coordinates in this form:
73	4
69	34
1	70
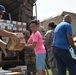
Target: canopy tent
57	19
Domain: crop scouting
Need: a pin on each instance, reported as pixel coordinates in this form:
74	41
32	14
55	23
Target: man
6	33
29	56
26	35
26	11
61	43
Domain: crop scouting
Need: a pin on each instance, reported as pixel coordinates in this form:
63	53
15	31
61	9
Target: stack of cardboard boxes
12	25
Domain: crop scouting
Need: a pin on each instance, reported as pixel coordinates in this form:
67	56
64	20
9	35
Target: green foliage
50	73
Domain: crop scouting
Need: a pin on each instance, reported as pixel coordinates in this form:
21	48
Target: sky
48	8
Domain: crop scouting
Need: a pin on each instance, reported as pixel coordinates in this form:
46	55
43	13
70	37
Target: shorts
40	61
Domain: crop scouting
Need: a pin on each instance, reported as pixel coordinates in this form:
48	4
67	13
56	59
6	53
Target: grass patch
0	68
50	72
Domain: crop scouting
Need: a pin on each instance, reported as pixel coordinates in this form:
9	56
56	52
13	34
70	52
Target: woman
48	43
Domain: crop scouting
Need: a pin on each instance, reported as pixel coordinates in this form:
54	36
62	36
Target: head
34	25
51	26
67	18
2	11
38	22
26	33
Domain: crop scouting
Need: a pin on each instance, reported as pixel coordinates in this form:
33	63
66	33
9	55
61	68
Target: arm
9	34
31	45
5	33
3	47
71	42
32	42
69	37
48	38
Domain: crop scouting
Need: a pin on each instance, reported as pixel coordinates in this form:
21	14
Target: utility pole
35	9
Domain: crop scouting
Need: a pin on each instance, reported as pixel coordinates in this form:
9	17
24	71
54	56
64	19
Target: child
35	41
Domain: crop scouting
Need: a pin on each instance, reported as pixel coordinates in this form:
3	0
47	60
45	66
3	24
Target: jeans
64	60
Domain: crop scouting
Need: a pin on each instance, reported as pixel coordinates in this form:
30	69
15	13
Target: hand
3	47
19	45
15	37
5	53
75	50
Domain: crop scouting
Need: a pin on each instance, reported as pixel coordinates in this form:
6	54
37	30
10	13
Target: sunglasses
1	13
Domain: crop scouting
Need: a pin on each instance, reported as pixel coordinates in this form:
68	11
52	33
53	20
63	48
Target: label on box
9	27
19	23
20	29
14	28
8	21
24	24
14	22
24	29
2	27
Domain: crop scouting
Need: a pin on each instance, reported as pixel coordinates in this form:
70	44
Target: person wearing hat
6	33
48	43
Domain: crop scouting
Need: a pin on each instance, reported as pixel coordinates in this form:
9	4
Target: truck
19	14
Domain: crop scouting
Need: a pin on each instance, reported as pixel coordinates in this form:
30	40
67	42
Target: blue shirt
60	35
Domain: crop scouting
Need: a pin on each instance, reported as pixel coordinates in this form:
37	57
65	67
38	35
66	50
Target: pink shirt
39	48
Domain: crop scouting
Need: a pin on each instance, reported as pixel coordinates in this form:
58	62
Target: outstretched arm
9	34
31	45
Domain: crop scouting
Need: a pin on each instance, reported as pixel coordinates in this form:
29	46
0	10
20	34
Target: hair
36	22
52	25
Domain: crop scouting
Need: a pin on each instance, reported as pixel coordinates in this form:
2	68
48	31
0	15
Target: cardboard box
11	43
13	73
15	69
